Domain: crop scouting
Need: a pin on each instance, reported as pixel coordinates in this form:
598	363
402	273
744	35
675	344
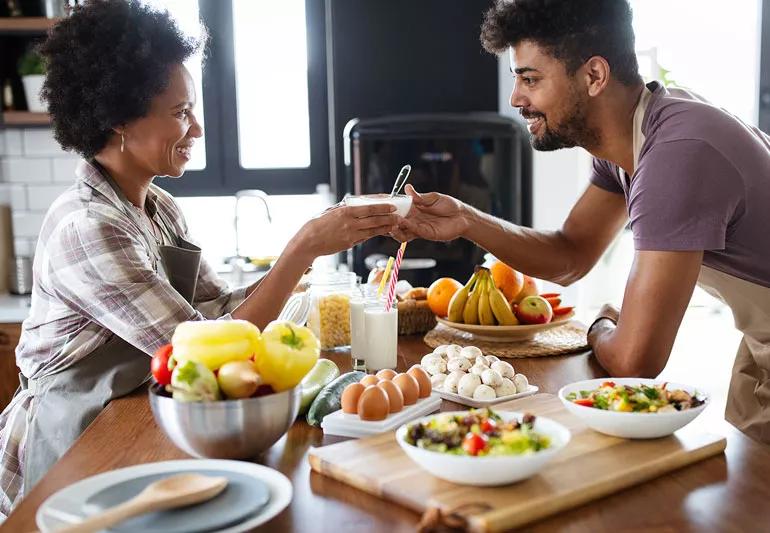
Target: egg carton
350	425
464	400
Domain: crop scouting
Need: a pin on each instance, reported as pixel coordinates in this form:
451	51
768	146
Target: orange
507	279
439	294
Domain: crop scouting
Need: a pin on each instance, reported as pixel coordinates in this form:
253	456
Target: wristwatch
588	334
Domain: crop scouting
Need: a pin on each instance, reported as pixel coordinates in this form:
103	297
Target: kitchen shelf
15	25
25	118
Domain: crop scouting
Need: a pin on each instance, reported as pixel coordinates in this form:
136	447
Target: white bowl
631	425
487	471
402	202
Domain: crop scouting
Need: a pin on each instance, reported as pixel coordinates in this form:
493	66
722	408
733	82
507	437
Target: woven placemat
569	338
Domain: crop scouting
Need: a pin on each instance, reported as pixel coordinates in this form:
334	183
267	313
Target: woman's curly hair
570	30
104	65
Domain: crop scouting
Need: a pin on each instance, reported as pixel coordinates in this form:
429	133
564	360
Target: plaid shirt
95	275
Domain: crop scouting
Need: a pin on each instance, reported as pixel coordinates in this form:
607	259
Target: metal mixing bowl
227	429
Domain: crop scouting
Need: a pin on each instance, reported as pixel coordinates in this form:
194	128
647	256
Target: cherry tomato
488	425
608	384
588	402
474	443
159	365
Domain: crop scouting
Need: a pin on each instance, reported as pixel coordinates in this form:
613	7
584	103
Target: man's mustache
530	114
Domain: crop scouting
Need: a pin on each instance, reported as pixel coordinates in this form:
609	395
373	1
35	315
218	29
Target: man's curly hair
572	31
104	65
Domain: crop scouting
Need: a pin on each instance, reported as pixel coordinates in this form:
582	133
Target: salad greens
480	432
640	399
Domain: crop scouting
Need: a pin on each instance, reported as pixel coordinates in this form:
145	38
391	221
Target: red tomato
608	384
588	402
488	425
474	443
159	365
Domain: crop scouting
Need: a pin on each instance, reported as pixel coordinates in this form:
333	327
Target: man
693	180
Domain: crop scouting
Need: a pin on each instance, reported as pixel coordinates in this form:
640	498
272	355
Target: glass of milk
402	202
381	330
358	345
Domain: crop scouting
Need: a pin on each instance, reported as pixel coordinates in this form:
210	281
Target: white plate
631	425
464	400
506	333
348	425
488	471
56	512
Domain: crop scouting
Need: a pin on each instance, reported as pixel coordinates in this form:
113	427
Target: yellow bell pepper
290	351
216	342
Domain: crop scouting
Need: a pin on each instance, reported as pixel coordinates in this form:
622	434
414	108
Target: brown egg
423	380
369	380
409	387
373	404
350	397
386	373
395	396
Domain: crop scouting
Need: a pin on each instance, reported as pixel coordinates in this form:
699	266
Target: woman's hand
341	227
433	216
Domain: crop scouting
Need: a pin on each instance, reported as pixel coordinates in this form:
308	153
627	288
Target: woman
114	270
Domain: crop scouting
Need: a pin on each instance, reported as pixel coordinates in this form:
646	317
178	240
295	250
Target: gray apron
748	400
65	403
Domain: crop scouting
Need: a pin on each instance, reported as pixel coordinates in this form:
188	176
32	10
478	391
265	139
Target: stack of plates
254	495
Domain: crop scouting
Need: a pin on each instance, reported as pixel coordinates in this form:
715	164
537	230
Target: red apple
534	310
529	288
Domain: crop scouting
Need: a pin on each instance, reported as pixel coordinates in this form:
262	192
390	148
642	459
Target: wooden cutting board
591	466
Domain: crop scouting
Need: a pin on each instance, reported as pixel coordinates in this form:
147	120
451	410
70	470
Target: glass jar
329	317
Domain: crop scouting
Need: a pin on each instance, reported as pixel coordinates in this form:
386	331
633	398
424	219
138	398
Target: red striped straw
394	277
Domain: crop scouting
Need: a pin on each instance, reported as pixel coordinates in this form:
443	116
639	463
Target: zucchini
323	372
330	397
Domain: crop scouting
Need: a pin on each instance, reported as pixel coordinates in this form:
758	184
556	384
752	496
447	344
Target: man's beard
572	131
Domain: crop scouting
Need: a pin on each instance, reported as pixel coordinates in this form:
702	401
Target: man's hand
433	216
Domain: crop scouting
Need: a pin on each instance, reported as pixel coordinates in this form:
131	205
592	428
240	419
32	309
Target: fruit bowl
225	429
521	332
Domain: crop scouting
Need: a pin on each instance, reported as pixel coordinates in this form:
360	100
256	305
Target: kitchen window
262	94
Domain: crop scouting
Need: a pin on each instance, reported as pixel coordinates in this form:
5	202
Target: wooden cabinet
9	374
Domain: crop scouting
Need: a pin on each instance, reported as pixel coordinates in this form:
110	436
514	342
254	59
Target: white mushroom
441	350
492	378
470	352
505	369
437	380
484	392
429	357
451	381
482	361
478	369
433	365
453	350
521	382
506	389
468	384
491	359
460	363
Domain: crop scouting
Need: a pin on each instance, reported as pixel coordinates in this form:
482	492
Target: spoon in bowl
403	175
175	491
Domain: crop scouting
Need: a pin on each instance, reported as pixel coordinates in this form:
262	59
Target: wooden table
724	493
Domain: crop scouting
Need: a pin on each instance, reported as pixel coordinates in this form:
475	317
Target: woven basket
414	316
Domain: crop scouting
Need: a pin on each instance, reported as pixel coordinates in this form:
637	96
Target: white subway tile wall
34	170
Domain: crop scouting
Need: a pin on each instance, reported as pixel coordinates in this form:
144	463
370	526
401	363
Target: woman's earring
122	143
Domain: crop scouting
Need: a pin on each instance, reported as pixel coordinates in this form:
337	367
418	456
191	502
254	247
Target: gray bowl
227	429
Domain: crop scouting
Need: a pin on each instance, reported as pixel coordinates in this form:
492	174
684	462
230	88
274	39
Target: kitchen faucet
238	261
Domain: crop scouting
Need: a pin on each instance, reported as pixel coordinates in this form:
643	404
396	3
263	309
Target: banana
500	307
458	301
471	311
486	316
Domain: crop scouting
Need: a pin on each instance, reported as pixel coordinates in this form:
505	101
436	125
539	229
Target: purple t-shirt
702	182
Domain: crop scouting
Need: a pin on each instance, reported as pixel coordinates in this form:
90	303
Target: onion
238	379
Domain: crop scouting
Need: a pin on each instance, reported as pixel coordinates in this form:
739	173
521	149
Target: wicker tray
569	338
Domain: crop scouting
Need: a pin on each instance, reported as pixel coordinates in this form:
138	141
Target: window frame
223	174
764	69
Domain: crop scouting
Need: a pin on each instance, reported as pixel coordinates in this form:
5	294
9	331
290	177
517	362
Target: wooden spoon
169	493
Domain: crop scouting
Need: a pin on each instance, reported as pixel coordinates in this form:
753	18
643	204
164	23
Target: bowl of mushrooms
466	376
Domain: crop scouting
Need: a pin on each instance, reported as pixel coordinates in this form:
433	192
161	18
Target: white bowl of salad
482	447
633	408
